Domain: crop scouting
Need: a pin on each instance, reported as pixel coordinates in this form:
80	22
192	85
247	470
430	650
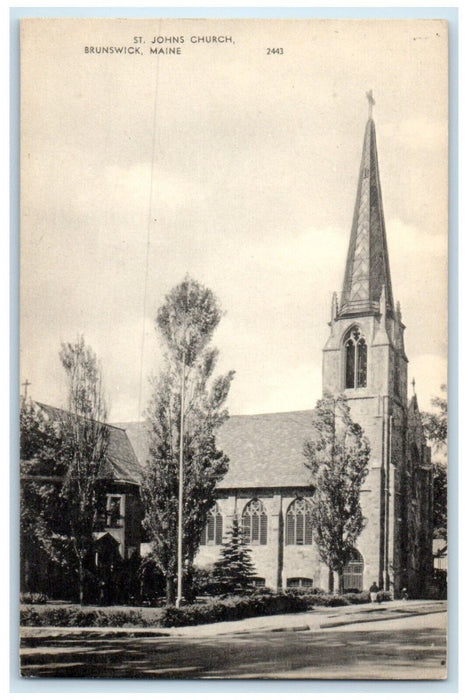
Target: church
268	487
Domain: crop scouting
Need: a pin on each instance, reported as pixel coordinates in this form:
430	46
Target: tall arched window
254	523
355	359
212	533
352	573
299	522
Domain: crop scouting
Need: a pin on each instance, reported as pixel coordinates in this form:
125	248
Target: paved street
402	648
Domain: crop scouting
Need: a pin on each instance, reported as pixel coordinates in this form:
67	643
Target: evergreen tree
234	570
337	458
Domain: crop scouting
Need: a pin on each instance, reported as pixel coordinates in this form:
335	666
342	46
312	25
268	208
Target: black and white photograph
233	349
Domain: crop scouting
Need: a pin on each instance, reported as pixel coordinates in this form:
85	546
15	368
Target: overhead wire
149	227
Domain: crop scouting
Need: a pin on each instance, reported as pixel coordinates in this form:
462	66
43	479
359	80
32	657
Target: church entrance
353	573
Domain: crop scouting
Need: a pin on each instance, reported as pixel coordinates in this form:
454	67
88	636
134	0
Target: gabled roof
264	450
120	458
367	265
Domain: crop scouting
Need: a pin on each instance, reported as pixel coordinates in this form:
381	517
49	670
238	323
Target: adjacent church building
268	488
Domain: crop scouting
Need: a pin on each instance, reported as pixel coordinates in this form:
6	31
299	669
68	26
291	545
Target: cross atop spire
371	101
367	265
26	384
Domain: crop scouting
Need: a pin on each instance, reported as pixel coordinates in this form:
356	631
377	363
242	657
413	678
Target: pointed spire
367	265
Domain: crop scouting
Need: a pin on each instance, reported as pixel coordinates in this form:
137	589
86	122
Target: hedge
215	610
211	610
233	608
71	616
33	598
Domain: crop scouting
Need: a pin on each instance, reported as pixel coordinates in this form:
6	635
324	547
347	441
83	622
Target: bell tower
364	359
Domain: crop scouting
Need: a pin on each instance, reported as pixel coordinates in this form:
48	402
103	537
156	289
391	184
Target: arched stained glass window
355	359
254	523
212	533
299	522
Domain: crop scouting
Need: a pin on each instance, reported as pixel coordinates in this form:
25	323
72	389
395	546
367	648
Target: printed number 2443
270	51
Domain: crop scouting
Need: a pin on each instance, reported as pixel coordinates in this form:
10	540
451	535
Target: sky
238	167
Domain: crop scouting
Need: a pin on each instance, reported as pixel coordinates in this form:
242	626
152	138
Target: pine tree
234	570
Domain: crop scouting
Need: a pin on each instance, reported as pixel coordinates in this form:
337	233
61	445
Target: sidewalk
317	619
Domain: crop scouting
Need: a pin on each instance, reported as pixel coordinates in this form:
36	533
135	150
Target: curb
343	623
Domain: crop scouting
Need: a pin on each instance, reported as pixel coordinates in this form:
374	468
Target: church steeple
367	266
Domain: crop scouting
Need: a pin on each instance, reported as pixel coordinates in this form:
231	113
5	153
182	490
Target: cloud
240	170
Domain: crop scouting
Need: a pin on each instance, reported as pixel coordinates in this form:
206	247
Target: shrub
384	596
260	590
324	599
357	598
305	590
68	616
201	582
33	598
233	608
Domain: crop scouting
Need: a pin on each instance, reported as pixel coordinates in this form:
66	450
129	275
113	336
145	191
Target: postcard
233	348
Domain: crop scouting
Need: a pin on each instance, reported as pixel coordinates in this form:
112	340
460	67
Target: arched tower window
254	523
355	359
212	533
299	522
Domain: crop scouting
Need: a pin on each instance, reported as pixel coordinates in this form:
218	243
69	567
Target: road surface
406	648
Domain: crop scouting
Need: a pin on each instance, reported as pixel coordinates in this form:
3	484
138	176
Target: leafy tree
435	430
186	322
337	457
43	532
86	439
234	570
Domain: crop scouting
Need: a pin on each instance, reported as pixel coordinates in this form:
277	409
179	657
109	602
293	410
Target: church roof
264	450
367	265
121	457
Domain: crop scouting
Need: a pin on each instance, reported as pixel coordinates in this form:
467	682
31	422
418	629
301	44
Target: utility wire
148	233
